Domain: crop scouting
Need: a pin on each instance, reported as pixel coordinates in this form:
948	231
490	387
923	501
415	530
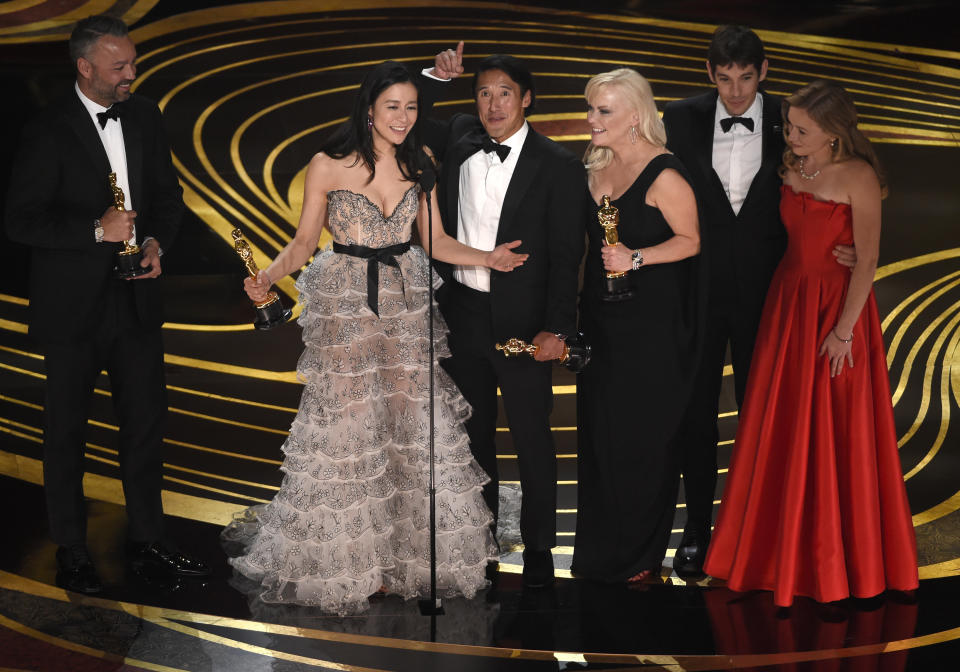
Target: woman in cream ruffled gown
351	517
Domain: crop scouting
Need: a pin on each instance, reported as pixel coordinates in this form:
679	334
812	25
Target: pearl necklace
803	174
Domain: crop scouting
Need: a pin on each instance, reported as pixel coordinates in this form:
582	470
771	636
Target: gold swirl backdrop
250	91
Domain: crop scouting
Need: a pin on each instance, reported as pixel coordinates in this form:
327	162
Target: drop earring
634	136
369	123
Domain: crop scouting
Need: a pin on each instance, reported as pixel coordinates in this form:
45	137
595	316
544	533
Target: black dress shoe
691	554
75	570
160	559
537	569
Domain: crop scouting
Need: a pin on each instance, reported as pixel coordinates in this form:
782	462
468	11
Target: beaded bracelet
842	340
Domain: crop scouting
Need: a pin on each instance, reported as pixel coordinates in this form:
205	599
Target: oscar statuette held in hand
129	258
576	351
270	312
616	284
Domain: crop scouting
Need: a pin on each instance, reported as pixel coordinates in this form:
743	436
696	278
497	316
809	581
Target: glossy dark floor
247	91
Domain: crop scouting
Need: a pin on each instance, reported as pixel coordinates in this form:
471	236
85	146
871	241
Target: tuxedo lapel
772	154
526	169
79	120
133	145
706	111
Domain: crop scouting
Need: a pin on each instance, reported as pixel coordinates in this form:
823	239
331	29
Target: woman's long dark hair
354	135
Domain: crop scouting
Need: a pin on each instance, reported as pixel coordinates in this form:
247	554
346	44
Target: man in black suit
501	181
61	205
731	142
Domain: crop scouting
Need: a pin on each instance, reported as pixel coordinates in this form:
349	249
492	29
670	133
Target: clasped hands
118	227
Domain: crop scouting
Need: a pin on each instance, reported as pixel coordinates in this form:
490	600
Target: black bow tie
485	143
727	124
113	112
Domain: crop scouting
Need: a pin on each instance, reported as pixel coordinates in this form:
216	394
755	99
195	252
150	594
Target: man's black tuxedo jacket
543	207
745	248
59	186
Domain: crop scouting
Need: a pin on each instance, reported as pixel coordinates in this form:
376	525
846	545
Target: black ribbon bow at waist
482	141
374	256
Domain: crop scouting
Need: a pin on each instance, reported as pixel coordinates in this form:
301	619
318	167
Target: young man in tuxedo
501	181
85	319
731	141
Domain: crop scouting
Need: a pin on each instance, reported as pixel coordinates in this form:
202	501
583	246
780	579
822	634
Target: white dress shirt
483	184
738	152
111	136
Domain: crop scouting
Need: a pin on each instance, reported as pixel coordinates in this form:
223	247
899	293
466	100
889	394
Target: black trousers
133	358
526	385
728	321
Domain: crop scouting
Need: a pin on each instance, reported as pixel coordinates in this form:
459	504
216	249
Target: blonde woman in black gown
630	397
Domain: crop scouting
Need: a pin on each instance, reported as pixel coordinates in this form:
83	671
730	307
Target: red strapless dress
815	502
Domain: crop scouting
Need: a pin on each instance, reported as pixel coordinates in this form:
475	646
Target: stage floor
248	91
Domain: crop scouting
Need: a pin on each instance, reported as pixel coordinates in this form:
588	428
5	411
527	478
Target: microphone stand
432	607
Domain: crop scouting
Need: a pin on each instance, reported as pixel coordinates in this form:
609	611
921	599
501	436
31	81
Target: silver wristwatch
636	259
97	231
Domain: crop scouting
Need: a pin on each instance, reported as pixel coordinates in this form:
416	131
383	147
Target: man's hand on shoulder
448	64
151	258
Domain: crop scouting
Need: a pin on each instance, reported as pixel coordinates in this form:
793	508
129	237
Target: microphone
428	180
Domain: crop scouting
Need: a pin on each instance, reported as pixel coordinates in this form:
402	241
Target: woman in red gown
815	503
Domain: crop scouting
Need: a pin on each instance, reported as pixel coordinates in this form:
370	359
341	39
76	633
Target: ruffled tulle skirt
352	513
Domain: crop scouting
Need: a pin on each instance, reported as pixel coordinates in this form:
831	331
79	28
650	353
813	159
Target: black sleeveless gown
631	397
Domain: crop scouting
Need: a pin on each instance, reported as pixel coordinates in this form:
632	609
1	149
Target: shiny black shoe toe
159	558
75	570
690	556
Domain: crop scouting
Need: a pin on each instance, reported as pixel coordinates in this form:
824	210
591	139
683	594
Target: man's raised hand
448	64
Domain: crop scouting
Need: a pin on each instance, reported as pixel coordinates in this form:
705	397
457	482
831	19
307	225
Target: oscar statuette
616	286
129	258
576	351
270	312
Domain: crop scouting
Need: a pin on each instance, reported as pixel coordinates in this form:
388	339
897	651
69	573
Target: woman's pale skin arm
313	218
673	196
864	193
452	251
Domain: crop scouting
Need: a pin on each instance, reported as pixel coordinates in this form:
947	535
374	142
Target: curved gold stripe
11	6
60	643
832	45
180	481
232	400
915	349
922	260
909	320
185	390
225	453
211	217
276	203
274	654
63	20
172	442
151	614
18	300
169	465
276	151
944	400
107	489
10	325
222	227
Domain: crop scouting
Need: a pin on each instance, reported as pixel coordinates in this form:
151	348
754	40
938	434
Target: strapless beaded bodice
354	219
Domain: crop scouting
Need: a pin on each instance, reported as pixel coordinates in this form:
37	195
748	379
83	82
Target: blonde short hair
636	92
